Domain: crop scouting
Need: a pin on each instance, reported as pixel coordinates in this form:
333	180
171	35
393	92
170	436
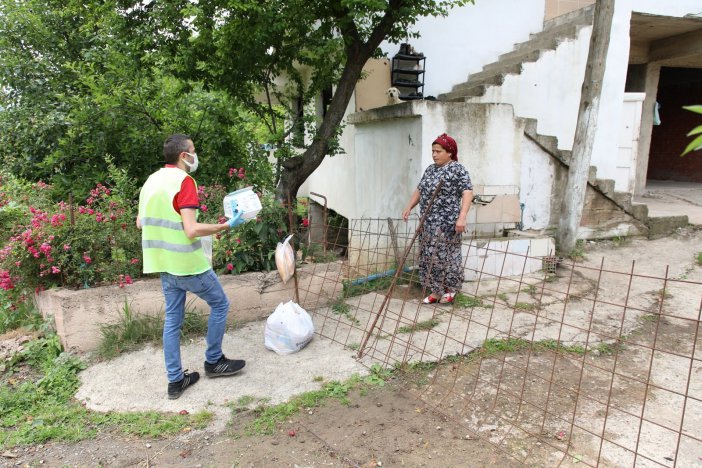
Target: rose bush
96	242
251	246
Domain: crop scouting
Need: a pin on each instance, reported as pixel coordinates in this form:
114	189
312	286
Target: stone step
606	186
460	96
661	226
640	211
511	63
580	16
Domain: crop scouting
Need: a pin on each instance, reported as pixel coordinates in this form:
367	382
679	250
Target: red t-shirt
187	197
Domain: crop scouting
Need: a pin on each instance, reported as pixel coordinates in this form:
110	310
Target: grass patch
524	306
268	417
339	307
650	317
419	326
34	411
698	259
315	254
494	346
463	300
503	297
529	289
22	315
578	252
132	331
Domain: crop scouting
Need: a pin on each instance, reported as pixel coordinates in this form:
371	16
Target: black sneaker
224	367
176	389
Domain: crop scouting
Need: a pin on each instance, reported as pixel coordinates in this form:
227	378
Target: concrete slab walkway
672	198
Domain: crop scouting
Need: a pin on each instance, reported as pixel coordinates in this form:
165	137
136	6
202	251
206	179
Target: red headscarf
447	143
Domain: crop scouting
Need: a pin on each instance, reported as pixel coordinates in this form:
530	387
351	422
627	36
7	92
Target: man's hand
236	216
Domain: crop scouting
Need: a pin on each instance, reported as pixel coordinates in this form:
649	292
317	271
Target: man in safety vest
170	241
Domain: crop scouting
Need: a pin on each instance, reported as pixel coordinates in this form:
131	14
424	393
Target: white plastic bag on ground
288	329
285	259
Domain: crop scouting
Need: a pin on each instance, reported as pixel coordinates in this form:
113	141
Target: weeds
494	346
699	258
40	410
22	315
524	306
529	289
419	326
503	297
133	331
339	307
578	252
463	300
267	418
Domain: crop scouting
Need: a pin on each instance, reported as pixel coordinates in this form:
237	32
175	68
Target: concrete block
661	226
80	314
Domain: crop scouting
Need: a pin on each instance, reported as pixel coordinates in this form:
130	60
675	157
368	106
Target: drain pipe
375	276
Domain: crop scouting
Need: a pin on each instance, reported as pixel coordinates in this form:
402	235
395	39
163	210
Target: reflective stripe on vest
165	246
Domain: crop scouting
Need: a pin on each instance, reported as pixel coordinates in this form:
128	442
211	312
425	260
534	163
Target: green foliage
101	246
419	326
41	410
578	252
493	346
134	330
698	259
251	246
14	315
340	307
696	143
524	306
77	85
463	300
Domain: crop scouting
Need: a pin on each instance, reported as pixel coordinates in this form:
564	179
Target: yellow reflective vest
164	244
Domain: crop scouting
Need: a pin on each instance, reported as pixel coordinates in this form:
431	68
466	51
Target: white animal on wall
393	96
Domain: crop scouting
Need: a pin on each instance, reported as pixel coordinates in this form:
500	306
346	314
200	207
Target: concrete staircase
555	31
623	200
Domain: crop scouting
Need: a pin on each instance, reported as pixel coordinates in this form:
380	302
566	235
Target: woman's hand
461	225
414	199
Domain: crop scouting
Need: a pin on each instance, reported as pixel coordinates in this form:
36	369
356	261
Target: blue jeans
207	287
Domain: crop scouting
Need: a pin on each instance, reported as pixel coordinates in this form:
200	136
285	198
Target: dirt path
385	427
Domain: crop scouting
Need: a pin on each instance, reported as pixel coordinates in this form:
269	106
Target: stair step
606	186
460	96
639	211
493	74
661	226
580	16
511	62
622	199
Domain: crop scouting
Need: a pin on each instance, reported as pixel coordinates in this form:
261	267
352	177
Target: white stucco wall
537	177
469	38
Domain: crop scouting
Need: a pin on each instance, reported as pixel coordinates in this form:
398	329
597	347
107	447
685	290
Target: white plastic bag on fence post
285	259
288	329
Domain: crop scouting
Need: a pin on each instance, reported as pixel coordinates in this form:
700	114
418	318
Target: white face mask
192	167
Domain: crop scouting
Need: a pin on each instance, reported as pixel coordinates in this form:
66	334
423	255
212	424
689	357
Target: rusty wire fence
556	362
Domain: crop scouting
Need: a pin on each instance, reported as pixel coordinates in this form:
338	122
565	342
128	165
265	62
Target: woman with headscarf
440	262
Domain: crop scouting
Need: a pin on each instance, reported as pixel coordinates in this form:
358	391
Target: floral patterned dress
440	260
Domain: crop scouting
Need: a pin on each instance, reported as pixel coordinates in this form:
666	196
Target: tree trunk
574	199
297	169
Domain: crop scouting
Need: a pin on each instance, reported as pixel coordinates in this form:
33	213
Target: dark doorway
677	87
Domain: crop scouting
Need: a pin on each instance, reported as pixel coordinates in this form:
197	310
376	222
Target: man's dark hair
174	145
